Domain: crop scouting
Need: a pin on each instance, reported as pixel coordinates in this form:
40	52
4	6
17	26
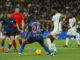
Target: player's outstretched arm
49	21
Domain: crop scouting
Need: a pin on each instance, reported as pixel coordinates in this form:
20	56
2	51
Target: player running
8	30
58	20
36	36
20	21
72	31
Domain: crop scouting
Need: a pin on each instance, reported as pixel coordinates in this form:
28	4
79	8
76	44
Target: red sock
14	44
20	42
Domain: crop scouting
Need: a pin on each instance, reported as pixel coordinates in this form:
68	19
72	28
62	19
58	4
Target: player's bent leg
53	46
67	40
78	44
10	44
49	41
20	40
22	46
41	42
2	43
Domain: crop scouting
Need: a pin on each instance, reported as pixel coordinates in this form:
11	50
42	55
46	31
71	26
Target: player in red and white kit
20	21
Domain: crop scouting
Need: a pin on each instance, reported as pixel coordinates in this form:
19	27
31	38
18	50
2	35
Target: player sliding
36	36
72	30
7	24
58	20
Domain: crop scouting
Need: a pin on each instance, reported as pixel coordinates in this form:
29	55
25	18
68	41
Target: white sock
49	43
77	41
53	46
67	39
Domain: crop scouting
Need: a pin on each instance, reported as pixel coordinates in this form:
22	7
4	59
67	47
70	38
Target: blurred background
42	9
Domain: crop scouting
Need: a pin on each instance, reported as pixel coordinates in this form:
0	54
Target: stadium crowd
43	11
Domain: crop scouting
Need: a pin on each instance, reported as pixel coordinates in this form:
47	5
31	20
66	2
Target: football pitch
72	52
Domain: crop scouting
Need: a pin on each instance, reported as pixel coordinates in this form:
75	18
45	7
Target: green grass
72	52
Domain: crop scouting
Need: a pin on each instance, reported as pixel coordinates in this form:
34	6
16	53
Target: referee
20	21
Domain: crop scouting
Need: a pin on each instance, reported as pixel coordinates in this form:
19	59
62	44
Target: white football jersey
72	22
56	21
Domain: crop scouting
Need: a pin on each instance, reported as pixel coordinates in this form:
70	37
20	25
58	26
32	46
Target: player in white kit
72	31
57	20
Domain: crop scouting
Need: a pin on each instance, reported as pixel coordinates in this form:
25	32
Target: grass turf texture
72	52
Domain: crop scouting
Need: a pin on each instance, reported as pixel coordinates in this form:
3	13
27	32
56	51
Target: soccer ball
38	52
